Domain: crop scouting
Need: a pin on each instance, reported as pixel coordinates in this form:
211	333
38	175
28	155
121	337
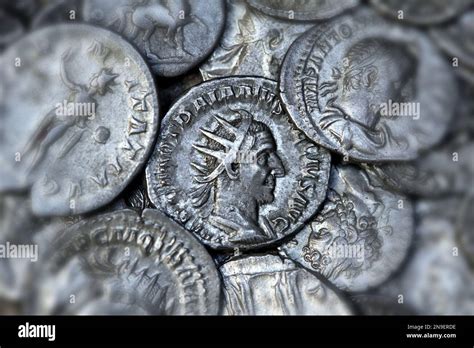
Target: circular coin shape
365	88
361	235
421	12
174	36
303	10
124	263
268	285
232	168
79	141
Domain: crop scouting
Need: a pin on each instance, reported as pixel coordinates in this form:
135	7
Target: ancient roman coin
10	29
437	279
174	36
252	44
231	167
365	88
448	169
124	263
360	237
420	12
269	285
79	141
303	10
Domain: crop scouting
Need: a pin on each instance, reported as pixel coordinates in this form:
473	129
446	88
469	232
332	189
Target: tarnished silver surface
124	263
360	237
365	88
81	140
231	167
437	279
269	285
252	43
303	10
173	35
421	12
440	172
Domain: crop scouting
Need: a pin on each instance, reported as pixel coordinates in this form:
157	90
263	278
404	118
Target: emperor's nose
277	166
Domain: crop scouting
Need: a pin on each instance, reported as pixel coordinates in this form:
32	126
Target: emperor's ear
370	76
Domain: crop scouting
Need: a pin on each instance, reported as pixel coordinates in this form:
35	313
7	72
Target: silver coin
232	168
252	44
58	11
360	237
449	169
365	88
11	29
268	285
303	10
174	36
437	279
124	263
79	141
421	12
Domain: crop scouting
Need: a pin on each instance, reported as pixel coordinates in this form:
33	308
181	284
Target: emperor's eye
263	158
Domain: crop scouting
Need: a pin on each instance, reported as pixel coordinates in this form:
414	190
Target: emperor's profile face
373	73
259	177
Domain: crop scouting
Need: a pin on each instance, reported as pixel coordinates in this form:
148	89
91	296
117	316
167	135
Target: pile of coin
236	157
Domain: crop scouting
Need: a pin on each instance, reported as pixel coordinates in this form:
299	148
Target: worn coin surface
361	235
303	10
80	141
174	36
124	263
365	88
252	44
232	168
445	170
420	12
269	285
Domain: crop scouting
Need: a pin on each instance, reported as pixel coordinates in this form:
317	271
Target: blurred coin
365	88
437	279
360	237
421	12
268	285
10	29
447	169
303	10
58	11
124	263
232	168
174	36
252	44
370	304
81	140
